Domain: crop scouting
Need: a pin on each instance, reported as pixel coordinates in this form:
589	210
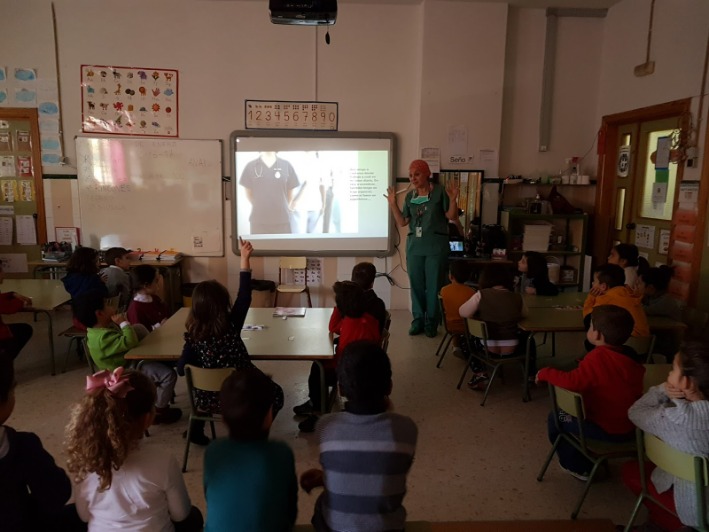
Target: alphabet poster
129	101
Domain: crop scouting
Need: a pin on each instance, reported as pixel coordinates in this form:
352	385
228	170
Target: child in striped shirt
365	451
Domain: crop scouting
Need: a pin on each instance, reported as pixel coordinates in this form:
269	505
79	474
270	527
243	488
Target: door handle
630	225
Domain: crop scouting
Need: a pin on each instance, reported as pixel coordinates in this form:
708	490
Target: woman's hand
453	189
391	196
312	478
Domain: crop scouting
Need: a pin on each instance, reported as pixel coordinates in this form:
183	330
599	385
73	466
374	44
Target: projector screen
313	193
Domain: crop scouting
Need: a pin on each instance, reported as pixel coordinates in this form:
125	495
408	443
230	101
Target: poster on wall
129	101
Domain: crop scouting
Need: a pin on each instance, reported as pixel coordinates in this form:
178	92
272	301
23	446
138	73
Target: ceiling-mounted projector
303	12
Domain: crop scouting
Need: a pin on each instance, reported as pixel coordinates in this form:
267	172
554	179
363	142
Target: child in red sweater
13	336
610	379
350	321
147	308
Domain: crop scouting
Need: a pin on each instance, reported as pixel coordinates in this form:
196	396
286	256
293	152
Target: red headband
421	166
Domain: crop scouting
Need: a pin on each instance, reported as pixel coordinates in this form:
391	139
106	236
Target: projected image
313	195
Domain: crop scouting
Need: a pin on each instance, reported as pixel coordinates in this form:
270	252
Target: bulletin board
22	219
151	194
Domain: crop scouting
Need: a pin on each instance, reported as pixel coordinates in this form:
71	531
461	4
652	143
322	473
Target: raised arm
452	189
243	298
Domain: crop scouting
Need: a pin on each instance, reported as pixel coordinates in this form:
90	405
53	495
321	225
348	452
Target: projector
303	12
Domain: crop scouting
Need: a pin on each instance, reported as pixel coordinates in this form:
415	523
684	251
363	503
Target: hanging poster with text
645	236
267	114
129	101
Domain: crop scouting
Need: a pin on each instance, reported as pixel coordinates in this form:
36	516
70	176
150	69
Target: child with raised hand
146	307
213	337
121	484
535	275
610	379
34	489
249	481
118	280
365	450
109	337
350	322
677	412
82	277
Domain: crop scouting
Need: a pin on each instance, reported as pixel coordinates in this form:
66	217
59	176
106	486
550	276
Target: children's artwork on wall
129	101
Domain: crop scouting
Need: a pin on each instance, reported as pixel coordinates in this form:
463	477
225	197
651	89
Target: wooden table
47	295
563	299
304	339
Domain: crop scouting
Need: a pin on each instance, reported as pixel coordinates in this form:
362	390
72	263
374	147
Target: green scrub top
428	225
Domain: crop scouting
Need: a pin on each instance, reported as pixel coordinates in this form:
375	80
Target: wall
679	44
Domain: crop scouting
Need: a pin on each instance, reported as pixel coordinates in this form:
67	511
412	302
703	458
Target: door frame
605	208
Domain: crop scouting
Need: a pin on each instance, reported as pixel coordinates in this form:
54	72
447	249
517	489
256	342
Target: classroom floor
472	462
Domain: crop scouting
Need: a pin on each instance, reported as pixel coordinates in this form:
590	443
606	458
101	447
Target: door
644	190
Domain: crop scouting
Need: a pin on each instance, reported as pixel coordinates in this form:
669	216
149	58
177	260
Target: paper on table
5	231
248	327
26	233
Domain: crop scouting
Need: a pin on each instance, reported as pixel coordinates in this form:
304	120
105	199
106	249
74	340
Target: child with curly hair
213	338
120	483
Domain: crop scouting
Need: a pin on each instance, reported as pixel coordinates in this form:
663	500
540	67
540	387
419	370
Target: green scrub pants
427	274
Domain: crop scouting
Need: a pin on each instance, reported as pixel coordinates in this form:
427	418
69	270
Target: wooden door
22	193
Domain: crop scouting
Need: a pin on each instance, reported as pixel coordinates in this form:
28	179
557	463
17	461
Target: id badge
419	232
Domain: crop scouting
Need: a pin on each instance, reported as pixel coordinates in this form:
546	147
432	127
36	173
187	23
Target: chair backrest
87	354
477	328
643	345
655	374
291	263
208	380
385	340
683	465
568	401
387	320
443	313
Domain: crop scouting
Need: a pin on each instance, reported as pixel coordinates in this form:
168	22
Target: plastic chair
387	320
385	340
74	335
478	329
447	337
208	380
292	264
677	463
655	374
643	346
598	452
89	360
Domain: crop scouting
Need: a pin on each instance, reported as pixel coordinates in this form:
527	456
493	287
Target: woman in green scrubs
427	210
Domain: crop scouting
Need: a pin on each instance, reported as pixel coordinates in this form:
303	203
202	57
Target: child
628	257
609	378
82	277
34	489
118	280
147	308
656	301
609	288
213	337
350	322
677	412
535	275
364	274
249	481
120	483
13	336
500	309
364	450
453	295
109	336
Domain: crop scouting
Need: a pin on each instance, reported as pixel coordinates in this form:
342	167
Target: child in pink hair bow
116	382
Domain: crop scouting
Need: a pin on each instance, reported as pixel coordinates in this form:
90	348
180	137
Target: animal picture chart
129	101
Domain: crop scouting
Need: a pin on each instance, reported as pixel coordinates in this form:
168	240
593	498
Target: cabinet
567	241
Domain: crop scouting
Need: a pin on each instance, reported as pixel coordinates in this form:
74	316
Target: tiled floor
472	462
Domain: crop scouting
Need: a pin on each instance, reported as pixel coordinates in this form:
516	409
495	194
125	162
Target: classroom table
170	270
563	299
548	320
295	338
47	295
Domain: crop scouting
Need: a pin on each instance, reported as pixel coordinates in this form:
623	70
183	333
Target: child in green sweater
110	336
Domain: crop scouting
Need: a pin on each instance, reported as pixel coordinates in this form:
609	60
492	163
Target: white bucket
554	269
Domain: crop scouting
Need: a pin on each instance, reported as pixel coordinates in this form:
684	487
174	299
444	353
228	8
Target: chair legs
543	471
187	444
445	344
72	339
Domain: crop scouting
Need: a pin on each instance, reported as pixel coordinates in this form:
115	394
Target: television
312	193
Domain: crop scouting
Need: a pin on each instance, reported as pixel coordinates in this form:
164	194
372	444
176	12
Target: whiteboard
151	193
